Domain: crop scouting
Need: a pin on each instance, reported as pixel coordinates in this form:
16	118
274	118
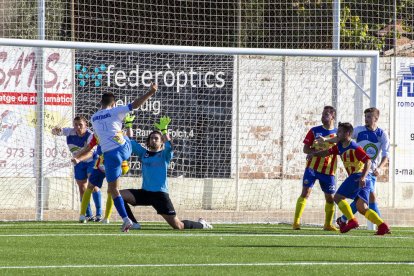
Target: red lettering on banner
53	57
27	98
3	57
31	58
15	72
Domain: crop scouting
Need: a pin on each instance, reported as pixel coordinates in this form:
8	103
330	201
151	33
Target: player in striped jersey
357	185
319	168
375	142
76	138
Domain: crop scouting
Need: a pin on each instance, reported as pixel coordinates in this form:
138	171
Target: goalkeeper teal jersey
154	166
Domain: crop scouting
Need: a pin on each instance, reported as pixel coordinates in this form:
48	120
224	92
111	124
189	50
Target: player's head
108	99
155	141
328	115
80	125
371	116
345	131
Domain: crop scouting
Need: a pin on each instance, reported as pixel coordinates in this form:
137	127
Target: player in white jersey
107	126
375	142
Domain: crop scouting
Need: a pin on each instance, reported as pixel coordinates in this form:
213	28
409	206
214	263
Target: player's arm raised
140	100
163	127
129	119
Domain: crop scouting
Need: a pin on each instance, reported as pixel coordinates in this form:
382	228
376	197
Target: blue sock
88	211
97	198
119	205
374	206
354	210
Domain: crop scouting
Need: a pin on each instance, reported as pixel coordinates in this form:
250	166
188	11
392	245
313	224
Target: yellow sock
125	167
345	209
329	213
373	217
109	205
85	200
300	207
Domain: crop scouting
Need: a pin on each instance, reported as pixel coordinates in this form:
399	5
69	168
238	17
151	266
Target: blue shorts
326	181
113	160
373	179
83	169
96	178
350	188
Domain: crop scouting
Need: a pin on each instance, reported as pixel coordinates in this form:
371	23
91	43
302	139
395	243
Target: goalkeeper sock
354	210
329	213
119	205
109	205
345	209
300	207
373	217
188	224
85	207
374	206
97	198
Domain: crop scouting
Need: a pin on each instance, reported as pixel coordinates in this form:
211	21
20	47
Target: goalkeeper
155	159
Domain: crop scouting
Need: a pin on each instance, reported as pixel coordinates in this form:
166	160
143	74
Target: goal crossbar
373	55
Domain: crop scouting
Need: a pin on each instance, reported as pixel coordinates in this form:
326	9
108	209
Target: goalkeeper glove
128	120
163	124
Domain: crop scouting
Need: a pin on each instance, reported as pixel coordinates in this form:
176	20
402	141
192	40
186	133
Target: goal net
239	117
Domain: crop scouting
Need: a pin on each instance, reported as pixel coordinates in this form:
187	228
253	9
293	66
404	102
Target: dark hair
347	127
331	108
154	132
107	98
373	110
80	118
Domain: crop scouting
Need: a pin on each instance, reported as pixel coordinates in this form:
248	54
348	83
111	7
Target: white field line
206	234
233	226
214	265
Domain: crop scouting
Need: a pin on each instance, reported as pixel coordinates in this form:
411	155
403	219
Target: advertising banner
18	111
404	157
196	91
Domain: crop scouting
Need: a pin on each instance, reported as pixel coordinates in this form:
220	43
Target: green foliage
356	34
21	19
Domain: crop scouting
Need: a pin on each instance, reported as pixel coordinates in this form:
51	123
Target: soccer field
39	248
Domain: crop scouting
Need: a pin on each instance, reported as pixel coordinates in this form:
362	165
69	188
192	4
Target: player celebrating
357	185
154	192
318	168
107	125
76	138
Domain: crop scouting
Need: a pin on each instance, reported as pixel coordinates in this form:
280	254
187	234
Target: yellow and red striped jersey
325	165
353	156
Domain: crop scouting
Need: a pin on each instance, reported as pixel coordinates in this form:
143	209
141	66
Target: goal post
239	116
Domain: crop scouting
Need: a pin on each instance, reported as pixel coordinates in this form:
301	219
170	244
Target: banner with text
194	90
19	111
404	138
